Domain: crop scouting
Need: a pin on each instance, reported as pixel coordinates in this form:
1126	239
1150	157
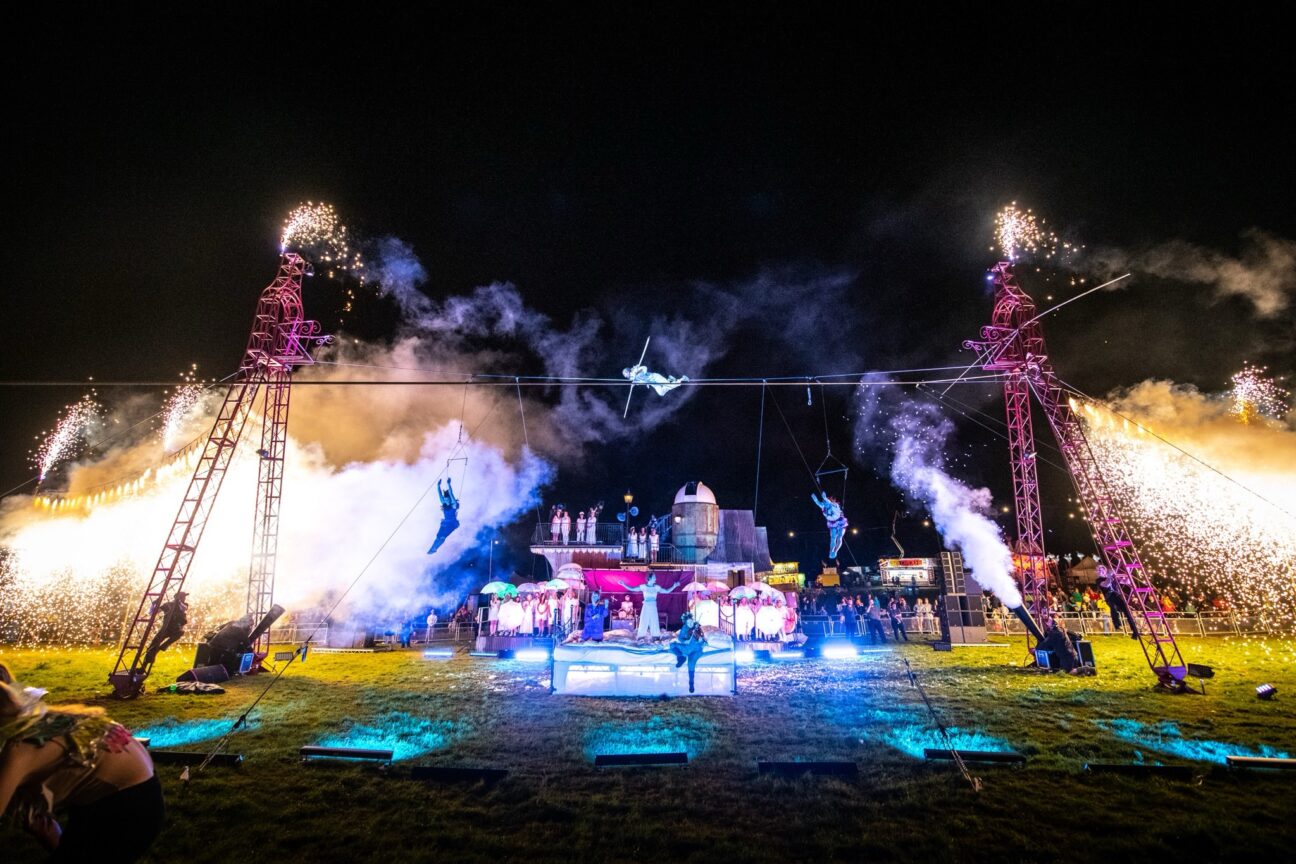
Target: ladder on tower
279	340
1013	344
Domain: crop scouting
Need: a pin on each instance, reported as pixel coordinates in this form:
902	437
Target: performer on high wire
836	520
449	515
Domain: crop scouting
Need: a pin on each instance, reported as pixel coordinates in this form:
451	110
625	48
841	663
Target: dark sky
597	160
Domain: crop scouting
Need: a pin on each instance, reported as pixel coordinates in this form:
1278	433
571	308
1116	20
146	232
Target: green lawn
554	805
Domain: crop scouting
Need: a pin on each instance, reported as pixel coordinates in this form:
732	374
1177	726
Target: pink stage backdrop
672	604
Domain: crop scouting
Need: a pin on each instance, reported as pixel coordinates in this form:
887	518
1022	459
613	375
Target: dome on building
695	493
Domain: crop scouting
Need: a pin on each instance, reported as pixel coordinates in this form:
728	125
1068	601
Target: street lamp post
625	531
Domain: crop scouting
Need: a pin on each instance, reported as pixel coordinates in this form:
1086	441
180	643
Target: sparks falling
178	408
1254	394
1201	534
318	234
69	435
1020	233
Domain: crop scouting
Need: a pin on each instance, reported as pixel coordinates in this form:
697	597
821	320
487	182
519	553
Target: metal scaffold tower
280	340
1013	344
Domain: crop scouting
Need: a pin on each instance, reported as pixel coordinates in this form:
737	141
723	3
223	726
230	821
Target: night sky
612	164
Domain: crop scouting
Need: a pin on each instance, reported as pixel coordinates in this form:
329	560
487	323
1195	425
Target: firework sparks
178	407
69	435
1020	233
1202	535
1254	394
317	233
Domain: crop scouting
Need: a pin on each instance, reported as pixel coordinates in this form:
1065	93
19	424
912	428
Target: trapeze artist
449	515
836	520
639	374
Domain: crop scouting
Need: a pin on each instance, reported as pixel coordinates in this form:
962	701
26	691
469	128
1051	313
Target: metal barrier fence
448	631
1213	623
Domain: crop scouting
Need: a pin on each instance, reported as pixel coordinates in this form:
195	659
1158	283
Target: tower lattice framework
280	340
1013	344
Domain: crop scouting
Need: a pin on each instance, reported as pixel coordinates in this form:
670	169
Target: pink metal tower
279	341
1013	344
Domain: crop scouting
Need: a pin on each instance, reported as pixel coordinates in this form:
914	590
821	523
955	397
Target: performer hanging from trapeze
449	515
649	625
836	520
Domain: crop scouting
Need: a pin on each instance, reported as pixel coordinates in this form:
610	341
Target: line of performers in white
561	525
767	618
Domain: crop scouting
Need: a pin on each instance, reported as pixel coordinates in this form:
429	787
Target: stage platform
512	643
624	668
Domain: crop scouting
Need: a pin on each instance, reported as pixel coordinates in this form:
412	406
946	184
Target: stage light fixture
360	753
787	655
1260	762
744	655
839	652
438	653
493	655
1266	691
991	756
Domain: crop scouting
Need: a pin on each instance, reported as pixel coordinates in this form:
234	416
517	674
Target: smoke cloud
1264	272
912	439
360	457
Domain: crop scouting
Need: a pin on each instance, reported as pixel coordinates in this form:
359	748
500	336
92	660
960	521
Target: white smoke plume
1264	271
913	438
359	457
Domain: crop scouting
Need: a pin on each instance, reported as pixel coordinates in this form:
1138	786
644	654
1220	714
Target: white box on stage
627	669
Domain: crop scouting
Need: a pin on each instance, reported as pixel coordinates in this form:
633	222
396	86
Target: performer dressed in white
580	527
648	623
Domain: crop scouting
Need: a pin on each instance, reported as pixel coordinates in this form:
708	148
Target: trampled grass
554	805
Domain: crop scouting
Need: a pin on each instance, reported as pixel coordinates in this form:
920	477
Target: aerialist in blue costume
596	613
836	520
449	515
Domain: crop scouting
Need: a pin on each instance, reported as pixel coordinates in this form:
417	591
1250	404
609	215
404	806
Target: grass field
555	805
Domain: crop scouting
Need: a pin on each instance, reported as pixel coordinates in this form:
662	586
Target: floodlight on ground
612	760
787	655
358	753
993	757
744	655
839	652
796	769
438	653
1139	769
493	655
1260	762
1266	691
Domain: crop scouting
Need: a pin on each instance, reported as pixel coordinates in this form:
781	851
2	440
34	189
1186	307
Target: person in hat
174	617
688	644
596	613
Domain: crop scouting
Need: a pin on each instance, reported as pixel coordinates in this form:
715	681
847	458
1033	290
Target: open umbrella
694	587
742	592
498	588
528	588
717	587
555	585
766	588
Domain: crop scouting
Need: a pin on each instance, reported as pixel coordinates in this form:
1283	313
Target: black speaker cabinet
206	674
